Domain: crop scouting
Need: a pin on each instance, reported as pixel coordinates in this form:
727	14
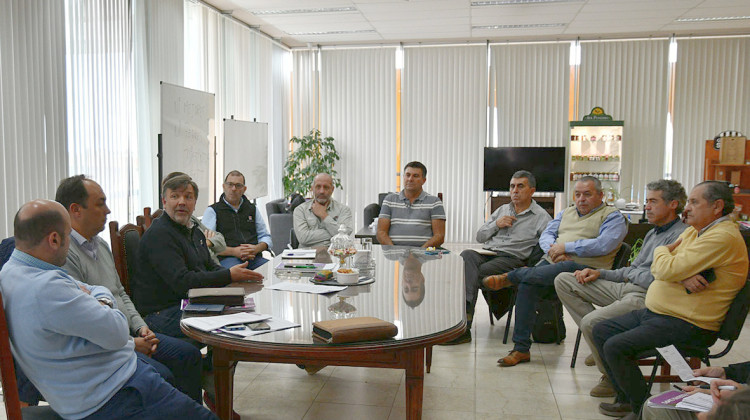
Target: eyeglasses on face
233	185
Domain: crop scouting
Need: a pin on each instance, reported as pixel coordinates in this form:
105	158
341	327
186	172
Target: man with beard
317	220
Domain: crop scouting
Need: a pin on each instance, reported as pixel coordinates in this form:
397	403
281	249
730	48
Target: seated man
69	338
317	220
173	258
511	235
587	235
241	223
412	217
695	281
733	375
90	261
620	291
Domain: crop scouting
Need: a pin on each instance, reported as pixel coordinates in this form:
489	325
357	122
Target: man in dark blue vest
241	223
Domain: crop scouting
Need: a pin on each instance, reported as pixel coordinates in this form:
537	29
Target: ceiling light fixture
515	2
305	11
356	31
711	19
523	26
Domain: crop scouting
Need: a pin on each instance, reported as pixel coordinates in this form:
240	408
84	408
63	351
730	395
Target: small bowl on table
351	277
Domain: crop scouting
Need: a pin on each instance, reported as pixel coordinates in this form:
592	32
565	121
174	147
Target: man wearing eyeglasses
241	223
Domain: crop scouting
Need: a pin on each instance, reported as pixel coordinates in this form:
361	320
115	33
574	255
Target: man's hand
695	283
84	289
505	221
711	372
319	210
671	247
239	272
720	395
561	258
208	233
587	275
556	250
146	334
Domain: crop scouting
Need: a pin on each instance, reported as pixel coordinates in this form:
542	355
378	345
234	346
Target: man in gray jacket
617	292
509	237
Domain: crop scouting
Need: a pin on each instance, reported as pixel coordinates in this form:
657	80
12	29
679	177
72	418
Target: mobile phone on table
259	326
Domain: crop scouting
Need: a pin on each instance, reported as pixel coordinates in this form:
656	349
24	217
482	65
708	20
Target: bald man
69	338
317	220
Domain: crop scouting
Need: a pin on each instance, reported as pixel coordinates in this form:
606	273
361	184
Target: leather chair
124	250
622	259
280	222
13	409
148	217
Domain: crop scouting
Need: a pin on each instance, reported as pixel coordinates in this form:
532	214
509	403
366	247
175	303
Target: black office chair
621	260
293	241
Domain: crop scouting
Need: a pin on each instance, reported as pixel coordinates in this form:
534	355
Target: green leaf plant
309	155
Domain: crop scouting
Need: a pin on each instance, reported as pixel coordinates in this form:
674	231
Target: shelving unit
596	149
714	170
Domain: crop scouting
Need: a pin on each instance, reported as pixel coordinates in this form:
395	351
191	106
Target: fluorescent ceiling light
356	31
711	19
523	26
513	2
305	11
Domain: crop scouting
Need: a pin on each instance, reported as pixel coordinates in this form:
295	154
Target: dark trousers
478	266
620	340
167	322
179	363
534	283
147	396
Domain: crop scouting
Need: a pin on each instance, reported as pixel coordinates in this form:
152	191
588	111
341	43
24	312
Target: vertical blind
305	92
34	157
629	79
358	103
101	116
529	95
712	94
444	126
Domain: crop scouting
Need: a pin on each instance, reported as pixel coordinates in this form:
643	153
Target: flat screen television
546	163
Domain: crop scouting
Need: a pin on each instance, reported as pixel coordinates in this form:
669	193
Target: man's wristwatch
107	301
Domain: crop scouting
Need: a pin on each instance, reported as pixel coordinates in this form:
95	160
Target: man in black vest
241	223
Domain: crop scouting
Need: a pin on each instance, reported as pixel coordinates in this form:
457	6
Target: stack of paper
275	324
211	323
678	400
699	402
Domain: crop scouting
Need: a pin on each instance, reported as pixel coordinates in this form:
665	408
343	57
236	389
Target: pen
299	266
679	388
721	387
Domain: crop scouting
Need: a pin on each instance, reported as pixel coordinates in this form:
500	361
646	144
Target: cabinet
738	174
596	150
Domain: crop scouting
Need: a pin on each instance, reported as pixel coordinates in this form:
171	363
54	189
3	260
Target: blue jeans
229	262
179	363
146	396
167	322
620	340
533	284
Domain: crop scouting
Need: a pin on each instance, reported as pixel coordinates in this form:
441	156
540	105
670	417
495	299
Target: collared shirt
664	228
411	223
88	246
77	352
611	232
715	222
521	237
313	232
209	221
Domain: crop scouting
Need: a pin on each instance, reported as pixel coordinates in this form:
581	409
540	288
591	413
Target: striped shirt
411	223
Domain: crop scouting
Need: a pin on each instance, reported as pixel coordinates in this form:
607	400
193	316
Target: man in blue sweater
70	339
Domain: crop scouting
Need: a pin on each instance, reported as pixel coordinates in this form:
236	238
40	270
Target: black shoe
615	409
461	339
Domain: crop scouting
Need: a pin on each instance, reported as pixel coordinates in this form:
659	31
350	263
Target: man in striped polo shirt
412	217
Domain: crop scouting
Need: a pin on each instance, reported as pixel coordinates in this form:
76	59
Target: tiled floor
465	383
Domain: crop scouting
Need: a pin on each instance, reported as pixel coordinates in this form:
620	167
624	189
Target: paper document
210	323
299	253
680	366
488	252
275	324
305	287
697	402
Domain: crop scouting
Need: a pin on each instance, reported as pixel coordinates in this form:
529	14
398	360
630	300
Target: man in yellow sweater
695	280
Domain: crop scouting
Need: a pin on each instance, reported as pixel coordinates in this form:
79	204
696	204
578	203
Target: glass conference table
423	295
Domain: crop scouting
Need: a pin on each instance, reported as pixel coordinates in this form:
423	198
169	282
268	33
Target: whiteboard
246	150
187	138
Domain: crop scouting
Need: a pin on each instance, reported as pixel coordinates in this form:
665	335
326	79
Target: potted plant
310	155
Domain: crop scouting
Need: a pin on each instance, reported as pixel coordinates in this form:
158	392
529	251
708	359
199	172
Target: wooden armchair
124	250
145	220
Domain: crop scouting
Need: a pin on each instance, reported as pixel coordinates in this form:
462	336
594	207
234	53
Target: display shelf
596	150
738	174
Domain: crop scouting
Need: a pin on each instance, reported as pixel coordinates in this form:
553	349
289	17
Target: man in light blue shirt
241	223
69	338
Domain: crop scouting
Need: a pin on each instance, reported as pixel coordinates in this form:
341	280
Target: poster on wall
187	142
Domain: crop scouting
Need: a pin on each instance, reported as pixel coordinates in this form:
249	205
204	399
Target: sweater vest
574	227
237	227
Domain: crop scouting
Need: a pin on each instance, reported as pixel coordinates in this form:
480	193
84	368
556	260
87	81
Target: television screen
546	163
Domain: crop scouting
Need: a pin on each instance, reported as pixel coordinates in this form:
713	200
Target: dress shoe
497	282
615	409
590	361
461	339
514	357
211	406
603	389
